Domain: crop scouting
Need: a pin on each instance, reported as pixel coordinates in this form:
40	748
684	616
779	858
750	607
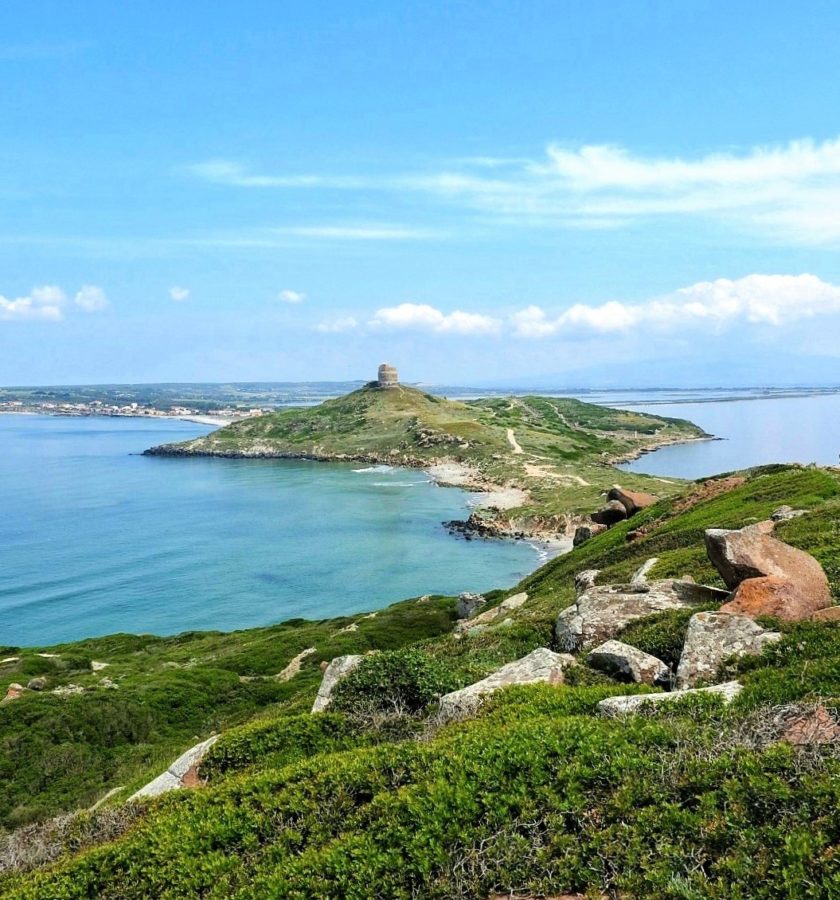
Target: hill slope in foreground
537	795
542	460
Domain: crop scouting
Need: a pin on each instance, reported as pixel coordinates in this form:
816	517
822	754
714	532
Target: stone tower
388	377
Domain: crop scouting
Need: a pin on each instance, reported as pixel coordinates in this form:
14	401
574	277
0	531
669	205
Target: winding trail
513	442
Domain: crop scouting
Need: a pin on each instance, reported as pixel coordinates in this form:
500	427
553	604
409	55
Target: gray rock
37	684
601	612
542	665
339	668
629	663
512	603
585	580
622	706
711	639
584	532
469	604
477	623
639	578
783	513
173	778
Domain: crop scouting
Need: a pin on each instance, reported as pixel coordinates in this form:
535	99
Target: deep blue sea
96	539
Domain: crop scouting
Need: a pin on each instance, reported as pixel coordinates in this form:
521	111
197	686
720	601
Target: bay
95	538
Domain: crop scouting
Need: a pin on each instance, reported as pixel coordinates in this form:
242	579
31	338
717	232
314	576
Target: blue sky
518	192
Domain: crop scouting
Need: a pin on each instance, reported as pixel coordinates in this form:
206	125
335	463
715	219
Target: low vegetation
536	795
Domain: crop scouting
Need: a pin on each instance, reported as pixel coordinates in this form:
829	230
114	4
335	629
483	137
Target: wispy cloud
337	325
179	294
790	191
91	298
422	317
289	296
382	231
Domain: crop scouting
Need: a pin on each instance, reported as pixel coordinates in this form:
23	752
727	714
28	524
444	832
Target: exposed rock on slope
542	665
620	706
339	668
711	639
625	662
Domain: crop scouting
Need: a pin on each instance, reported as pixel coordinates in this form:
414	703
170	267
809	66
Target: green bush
396	682
662	635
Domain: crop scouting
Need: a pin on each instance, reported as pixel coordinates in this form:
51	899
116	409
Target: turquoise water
94	539
753	432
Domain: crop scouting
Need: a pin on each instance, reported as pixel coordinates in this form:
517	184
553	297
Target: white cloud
770	300
422	317
179	294
43	303
337	325
289	296
91	298
789	191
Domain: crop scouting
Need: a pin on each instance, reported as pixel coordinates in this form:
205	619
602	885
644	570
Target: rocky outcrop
13	692
634	703
784	513
791	584
829	614
632	501
601	612
37	684
628	663
469	604
813	726
339	668
584	532
585	580
711	639
493	616
542	665
182	773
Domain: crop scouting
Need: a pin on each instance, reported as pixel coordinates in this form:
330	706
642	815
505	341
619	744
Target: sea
96	538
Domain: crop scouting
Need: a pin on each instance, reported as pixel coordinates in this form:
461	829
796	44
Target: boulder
469	604
771	596
829	614
496	614
339	668
37	684
542	665
622	706
749	553
613	511
629	663
632	501
601	612
639	577
584	532
14	691
182	773
714	637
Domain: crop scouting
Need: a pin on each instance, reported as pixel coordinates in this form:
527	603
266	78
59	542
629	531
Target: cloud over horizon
48	302
787	192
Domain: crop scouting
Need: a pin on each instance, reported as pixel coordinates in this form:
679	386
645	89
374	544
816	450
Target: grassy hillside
536	794
559	450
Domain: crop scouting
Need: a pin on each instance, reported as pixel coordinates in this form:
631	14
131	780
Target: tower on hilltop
387	377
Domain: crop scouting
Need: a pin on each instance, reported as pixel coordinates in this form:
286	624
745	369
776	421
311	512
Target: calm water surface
94	539
754	432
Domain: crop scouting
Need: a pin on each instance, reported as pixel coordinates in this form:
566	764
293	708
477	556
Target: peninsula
544	463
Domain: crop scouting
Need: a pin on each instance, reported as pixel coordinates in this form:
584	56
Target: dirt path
513	442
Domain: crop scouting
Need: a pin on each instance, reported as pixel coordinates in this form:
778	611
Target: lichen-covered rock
585	580
469	605
632	501
601	612
542	665
182	773
629	663
476	624
771	596
712	638
783	513
339	668
622	706
810	727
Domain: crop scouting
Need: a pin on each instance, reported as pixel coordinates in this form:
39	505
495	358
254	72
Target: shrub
661	635
392	684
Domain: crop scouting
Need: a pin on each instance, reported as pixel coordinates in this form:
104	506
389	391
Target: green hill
535	796
559	451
